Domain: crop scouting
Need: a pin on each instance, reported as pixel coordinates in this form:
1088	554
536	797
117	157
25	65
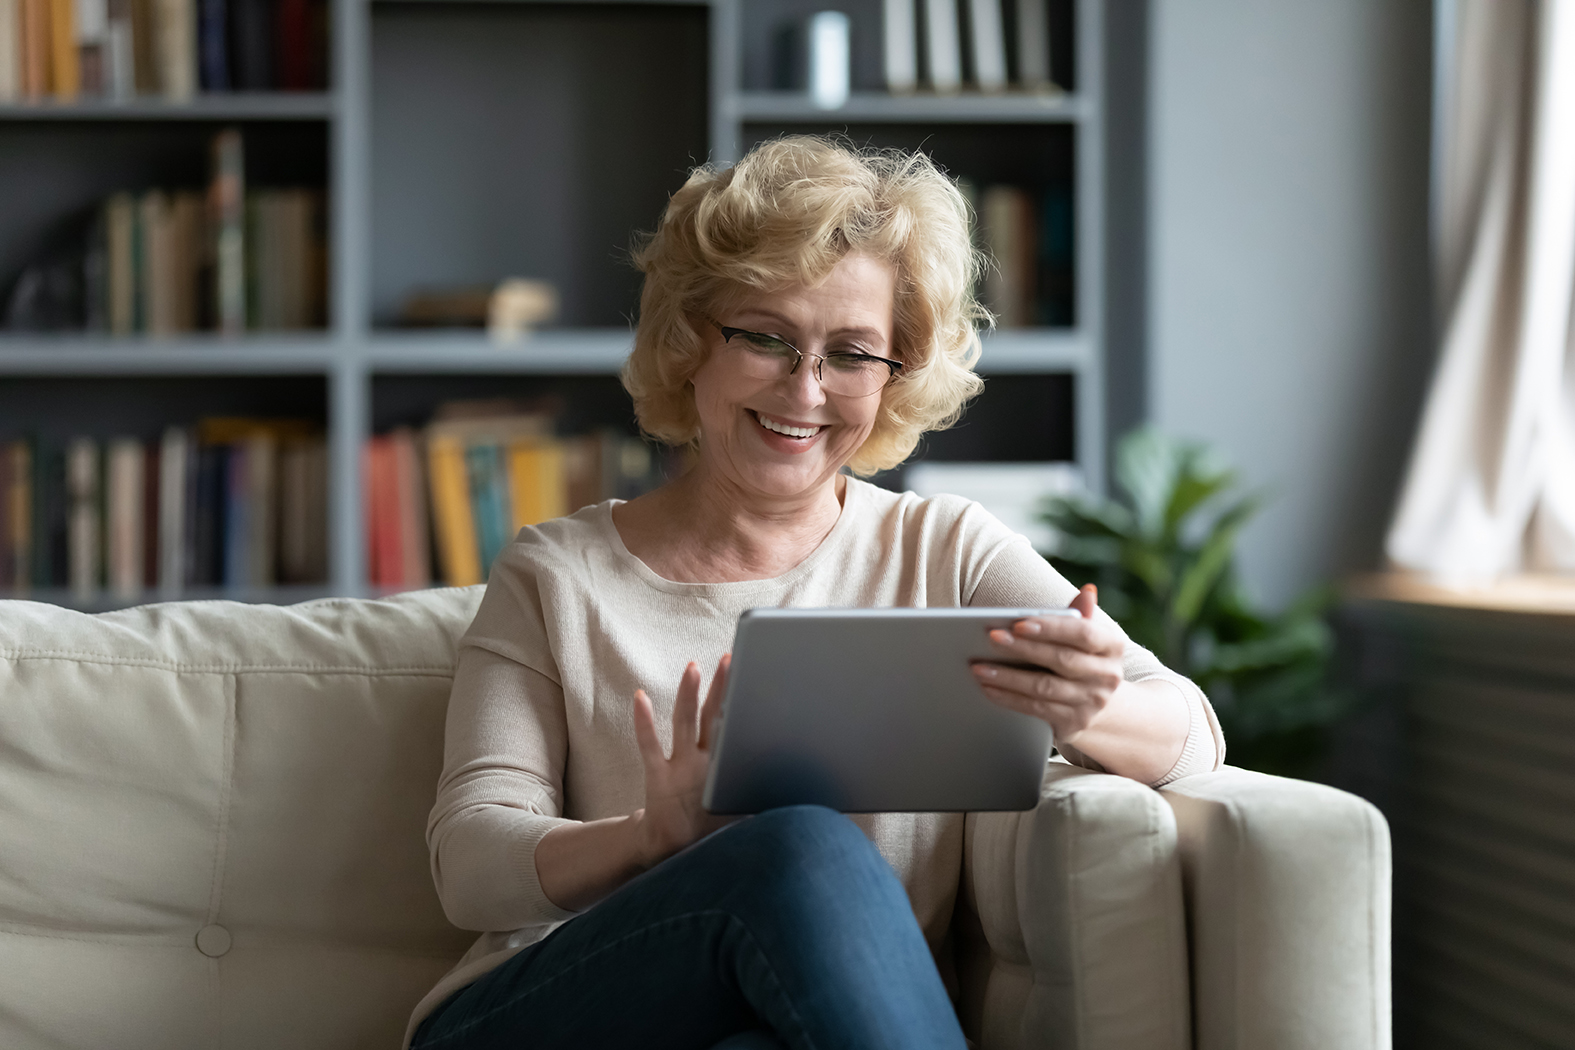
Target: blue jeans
788	922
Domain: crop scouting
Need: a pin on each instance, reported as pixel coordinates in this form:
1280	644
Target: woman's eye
852	362
766	344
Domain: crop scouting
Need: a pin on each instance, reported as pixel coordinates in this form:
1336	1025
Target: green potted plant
1162	554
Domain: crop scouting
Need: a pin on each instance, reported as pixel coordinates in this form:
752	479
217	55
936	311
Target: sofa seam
432	670
125	940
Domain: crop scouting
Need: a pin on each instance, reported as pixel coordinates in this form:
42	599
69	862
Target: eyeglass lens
849	374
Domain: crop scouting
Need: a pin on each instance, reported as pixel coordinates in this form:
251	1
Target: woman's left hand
1076	668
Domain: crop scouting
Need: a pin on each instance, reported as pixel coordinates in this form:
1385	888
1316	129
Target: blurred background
308	297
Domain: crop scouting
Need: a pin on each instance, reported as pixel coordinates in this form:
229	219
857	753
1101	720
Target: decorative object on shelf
1162	556
516	306
830	59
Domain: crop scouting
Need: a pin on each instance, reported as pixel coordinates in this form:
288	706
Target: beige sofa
211	835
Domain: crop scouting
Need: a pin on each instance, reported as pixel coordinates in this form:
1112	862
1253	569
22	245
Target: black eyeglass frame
894	367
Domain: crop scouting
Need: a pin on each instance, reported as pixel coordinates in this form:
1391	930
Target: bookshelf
466	140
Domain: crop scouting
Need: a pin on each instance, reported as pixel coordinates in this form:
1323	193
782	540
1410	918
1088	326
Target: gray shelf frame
351	352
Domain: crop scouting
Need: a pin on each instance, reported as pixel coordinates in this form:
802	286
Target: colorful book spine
458	552
18	551
537	482
411	504
175	49
65	74
238	510
384	547
213	52
489	497
35	49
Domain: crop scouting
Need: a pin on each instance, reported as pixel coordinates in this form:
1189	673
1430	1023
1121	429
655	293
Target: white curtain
1490	489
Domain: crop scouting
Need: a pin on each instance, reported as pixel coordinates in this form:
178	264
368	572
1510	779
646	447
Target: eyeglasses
848	373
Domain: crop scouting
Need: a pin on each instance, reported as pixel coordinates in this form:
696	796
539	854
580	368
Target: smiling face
787	438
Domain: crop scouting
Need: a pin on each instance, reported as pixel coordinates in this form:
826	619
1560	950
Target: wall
1287	267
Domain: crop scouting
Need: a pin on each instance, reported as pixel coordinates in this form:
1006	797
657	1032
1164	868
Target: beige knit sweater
540	722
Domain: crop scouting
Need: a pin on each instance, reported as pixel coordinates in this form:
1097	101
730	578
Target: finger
1087	600
713	701
1035	685
1066	721
1099	635
645	732
686	710
1064	660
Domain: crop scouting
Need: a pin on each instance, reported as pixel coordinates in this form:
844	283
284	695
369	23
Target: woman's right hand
673	816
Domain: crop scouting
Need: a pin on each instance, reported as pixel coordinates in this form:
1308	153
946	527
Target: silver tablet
871	711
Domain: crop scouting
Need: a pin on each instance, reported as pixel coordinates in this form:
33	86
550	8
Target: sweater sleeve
505	745
1018	576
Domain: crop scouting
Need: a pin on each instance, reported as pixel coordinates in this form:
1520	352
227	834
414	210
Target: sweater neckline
853	494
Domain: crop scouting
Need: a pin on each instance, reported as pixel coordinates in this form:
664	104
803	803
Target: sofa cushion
212	821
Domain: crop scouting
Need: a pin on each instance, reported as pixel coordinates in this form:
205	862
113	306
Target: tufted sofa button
213	941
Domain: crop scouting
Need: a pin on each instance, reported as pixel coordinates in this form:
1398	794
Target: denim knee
814	852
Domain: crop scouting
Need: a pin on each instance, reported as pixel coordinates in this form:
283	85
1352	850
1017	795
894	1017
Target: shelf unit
356	351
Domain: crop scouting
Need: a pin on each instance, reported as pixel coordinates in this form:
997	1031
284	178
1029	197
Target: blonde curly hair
785	215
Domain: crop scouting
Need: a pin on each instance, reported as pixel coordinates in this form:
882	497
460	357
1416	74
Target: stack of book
991	45
1028	238
118	49
163	262
468	482
233	503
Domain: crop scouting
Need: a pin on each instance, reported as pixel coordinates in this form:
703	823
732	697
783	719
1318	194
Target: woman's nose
804	382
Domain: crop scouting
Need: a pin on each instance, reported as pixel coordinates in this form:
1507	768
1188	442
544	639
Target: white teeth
783	428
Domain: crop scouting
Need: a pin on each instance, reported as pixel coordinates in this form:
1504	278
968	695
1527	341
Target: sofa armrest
1288	898
1079	901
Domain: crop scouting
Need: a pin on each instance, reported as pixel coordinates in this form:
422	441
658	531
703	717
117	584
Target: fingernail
1000	637
985	671
1028	627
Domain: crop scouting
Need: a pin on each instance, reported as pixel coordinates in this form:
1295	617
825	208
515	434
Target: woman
805	311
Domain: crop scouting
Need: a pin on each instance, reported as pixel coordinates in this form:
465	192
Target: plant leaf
1147	464
1197	483
1214	557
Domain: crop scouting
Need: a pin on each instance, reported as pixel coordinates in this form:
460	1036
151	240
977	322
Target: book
385	555
175	464
236	537
303	510
155	263
293	54
65	75
489	501
208	505
187	227
261	503
152	460
943	45
120	74
900	46
18	552
10	50
35	48
175	48
51	517
1007	232
120	218
84	519
124	514
213	48
989	44
411	503
92	27
227	216
458	553
144	61
1033	45
251	45
538	485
